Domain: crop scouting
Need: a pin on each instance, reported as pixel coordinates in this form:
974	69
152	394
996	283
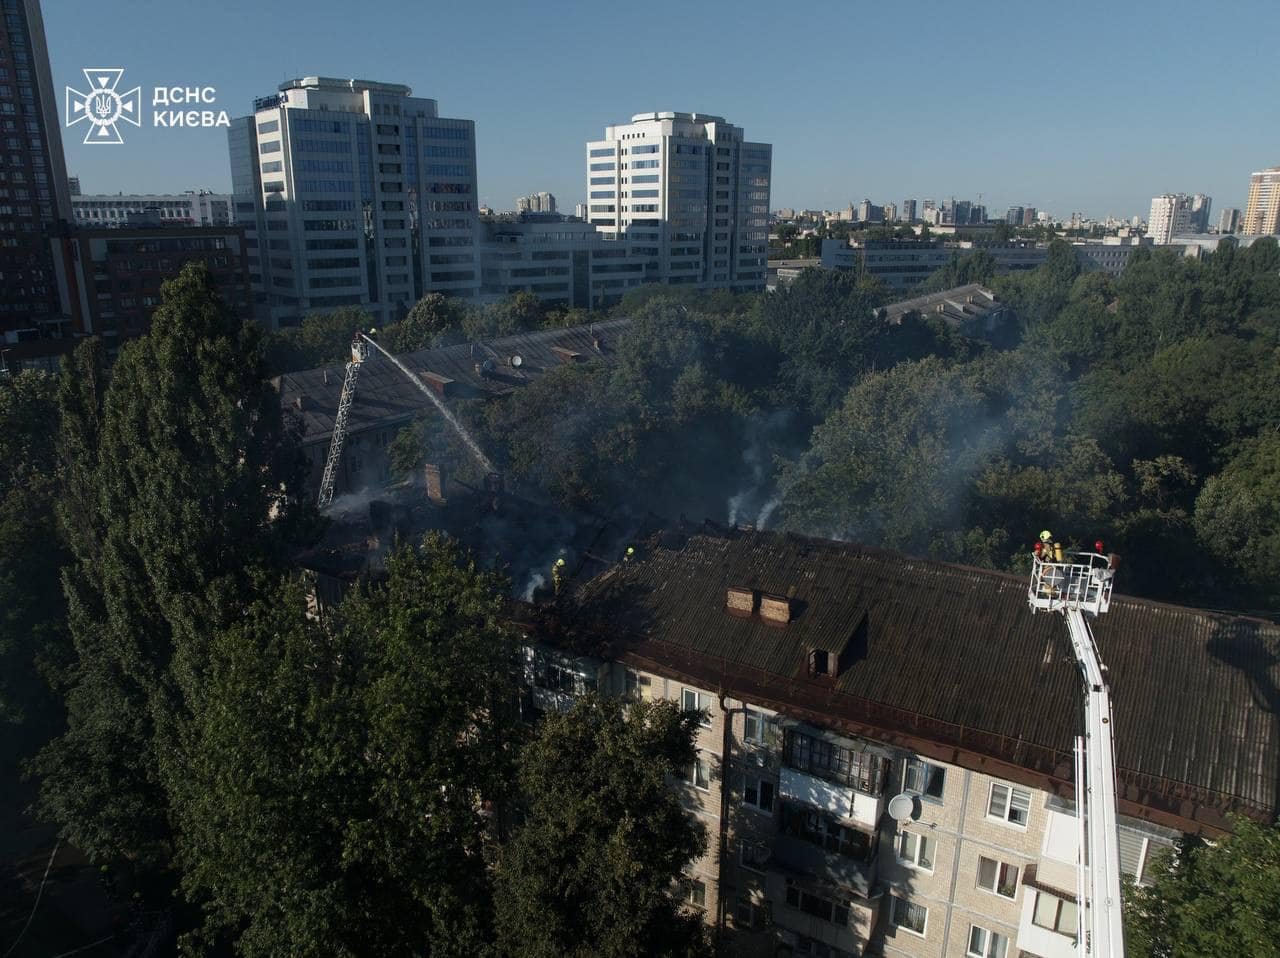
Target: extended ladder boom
359	352
1073	586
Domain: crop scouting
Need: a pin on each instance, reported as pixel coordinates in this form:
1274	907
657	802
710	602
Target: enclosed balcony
842	780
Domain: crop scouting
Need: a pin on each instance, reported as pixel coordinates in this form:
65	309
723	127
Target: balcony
799	856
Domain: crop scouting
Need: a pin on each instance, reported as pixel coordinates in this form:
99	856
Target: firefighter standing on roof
558	574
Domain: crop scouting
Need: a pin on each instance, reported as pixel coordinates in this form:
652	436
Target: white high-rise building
688	191
1170	216
355	193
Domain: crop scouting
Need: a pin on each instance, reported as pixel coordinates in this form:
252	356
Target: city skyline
1072	135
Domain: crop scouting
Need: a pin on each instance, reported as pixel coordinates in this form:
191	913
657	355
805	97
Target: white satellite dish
902	808
516	362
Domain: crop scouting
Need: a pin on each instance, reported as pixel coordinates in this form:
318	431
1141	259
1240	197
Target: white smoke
767	511
536	581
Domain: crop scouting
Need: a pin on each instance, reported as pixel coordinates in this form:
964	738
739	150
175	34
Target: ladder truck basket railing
1082	581
1079	584
359	353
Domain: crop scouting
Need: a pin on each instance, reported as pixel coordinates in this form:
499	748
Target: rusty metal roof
1195	693
385	395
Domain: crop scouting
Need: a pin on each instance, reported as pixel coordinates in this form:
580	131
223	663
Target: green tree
1237	516
187	483
33	638
1210	901
320	340
346	772
604	839
431	318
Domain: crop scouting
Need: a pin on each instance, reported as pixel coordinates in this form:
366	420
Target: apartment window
819	906
694	701
695	892
270	146
916	850
753	857
846	766
758	728
1009	804
747	914
924	779
909	917
698	774
757	792
639	686
986	944
998	877
820	829
1055	914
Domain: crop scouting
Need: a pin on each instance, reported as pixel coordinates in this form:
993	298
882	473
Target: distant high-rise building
695	199
542	202
195	208
868	212
354	193
1262	212
891	212
1198	214
909	210
1170	216
73	185
1228	220
38	295
580	210
1029	216
1015	215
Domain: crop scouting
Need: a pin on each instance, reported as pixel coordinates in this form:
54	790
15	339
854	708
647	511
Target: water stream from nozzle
444	410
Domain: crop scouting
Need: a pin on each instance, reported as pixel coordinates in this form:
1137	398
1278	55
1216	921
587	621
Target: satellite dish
902	808
516	362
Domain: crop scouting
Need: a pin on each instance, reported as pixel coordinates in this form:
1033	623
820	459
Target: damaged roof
1195	693
384	394
956	306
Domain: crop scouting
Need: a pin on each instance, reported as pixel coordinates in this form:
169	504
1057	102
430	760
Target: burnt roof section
384	394
1195	693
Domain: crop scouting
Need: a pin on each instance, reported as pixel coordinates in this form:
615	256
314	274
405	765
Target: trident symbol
103	106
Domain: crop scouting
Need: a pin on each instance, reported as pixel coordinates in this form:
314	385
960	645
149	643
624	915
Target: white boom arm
1080	584
359	352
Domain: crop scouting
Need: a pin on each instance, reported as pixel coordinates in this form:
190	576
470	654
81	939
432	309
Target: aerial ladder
1076	584
359	353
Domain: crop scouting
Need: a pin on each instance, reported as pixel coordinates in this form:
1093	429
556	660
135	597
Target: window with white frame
757	791
639	686
916	850
908	916
695	892
999	878
698	774
984	943
758	728
1009	804
694	701
924	779
1055	914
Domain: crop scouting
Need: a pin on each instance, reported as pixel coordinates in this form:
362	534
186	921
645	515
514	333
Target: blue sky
1065	105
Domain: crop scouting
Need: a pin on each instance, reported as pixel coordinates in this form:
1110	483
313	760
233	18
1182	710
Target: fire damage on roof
946	660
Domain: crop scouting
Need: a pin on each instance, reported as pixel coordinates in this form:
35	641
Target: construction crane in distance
361	344
1075	584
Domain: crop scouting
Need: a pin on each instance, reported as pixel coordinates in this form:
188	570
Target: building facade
124	267
1262	212
1198	213
560	262
1170	216
1015	215
688	191
1229	220
354	193
853	804
543	202
193	208
909	211
37	290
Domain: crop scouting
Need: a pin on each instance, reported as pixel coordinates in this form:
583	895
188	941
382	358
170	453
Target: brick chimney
434	476
775	609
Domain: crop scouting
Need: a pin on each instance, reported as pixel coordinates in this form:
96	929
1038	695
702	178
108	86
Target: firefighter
629	554
558	574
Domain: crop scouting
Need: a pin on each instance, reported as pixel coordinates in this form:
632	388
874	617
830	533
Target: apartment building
36	270
885	761
1170	216
354	193
1262	211
690	192
193	208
